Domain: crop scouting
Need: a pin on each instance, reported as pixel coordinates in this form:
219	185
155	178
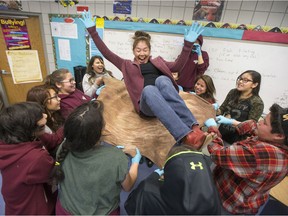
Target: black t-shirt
150	73
240	112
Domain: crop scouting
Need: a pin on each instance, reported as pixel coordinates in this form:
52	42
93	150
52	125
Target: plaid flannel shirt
247	170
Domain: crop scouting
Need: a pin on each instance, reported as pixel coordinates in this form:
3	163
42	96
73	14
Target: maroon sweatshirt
131	71
25	169
191	69
70	101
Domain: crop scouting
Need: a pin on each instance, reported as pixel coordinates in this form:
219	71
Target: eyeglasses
72	80
244	80
56	97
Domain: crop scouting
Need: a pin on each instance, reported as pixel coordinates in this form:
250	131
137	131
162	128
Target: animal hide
123	125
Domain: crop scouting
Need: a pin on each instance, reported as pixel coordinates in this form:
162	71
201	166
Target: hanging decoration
208	10
67	3
122	7
11	5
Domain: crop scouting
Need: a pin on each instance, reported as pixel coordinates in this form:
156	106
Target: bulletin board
229	55
75	47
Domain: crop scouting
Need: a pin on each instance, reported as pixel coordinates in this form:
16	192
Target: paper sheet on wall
64	49
66	30
24	66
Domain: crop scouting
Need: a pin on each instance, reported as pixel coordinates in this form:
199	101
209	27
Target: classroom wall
261	12
228	58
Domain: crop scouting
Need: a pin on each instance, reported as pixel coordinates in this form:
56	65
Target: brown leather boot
197	138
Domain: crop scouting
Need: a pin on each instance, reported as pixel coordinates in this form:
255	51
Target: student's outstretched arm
131	177
190	37
193	33
89	23
51	141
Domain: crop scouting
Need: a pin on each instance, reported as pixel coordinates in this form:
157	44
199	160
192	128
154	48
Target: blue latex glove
159	171
216	106
87	19
137	157
197	49
191	92
223	120
210	123
180	88
98	91
195	30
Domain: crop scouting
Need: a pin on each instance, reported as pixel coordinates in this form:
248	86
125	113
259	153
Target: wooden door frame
3	94
19	15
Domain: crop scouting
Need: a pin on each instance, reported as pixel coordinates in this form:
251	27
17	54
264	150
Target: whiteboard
228	59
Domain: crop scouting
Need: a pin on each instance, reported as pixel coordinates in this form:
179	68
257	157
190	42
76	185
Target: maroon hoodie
192	69
70	101
25	169
131	71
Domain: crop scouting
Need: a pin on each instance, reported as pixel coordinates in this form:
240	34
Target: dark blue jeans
164	102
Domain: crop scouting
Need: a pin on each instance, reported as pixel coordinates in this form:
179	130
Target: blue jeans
164	102
263	206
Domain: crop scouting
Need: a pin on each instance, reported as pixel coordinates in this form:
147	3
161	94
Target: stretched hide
123	125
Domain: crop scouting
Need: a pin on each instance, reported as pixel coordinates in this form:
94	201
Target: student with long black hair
99	171
25	163
242	103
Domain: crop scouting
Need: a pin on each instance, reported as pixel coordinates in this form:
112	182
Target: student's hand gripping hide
98	91
87	19
137	157
180	88
215	106
195	30
197	49
159	171
223	120
210	123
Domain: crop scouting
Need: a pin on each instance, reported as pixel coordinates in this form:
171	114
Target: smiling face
175	75
98	66
67	86
53	102
200	87
141	52
245	83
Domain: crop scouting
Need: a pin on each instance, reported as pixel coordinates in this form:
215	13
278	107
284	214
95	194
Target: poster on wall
15	34
122	7
24	66
208	10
